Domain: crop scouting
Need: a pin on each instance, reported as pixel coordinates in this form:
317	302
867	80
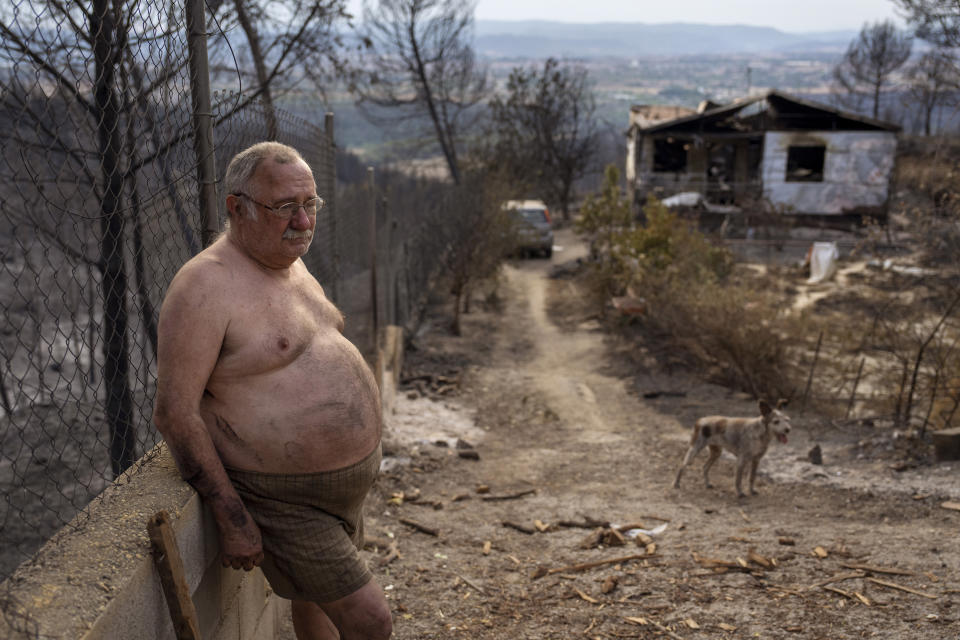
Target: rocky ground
527	494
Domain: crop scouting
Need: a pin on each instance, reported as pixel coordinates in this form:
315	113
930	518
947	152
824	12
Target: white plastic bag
823	261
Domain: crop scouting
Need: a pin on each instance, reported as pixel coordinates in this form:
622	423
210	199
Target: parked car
534	231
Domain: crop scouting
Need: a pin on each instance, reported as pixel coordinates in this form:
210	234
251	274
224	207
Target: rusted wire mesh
98	211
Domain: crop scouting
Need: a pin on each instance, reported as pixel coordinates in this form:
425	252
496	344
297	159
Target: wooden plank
872	569
166	555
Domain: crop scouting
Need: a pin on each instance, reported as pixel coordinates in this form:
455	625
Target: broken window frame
670	155
805	158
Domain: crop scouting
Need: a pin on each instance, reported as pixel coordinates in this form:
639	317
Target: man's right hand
240	545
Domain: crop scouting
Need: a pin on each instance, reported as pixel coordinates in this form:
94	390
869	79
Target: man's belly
319	412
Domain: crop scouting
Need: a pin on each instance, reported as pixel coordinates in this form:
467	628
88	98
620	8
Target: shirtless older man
271	414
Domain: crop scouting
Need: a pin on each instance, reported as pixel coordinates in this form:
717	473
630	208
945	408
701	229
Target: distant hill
540	39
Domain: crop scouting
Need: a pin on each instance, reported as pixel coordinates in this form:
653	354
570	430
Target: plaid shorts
312	527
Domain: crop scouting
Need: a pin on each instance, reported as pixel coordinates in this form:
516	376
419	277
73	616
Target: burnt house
800	156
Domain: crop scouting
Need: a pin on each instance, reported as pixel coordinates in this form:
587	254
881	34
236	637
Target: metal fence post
202	119
330	196
390	284
374	296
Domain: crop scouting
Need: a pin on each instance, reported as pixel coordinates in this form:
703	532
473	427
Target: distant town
678	64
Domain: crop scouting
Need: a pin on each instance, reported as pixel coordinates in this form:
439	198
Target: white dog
746	438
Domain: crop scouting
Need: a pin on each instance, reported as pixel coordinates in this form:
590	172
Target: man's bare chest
272	330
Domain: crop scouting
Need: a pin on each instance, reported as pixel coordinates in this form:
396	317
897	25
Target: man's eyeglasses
288	210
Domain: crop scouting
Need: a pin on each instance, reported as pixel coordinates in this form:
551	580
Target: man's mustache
293	234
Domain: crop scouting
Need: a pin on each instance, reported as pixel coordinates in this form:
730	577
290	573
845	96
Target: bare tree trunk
898	409
147	313
876	98
34	341
455	325
446	143
933	397
169	180
75	339
4	395
116	365
91	331
919	359
263	79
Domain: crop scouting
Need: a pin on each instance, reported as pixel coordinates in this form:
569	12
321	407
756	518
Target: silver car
534	231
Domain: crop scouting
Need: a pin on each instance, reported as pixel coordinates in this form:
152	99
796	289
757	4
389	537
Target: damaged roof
771	111
647	115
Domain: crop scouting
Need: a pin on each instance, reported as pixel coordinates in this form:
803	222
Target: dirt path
557	411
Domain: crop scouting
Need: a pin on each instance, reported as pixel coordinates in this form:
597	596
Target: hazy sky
786	15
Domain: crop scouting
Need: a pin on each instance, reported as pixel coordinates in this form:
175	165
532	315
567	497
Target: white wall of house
630	170
856	171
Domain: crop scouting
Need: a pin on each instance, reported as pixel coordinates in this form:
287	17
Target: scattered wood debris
718	565
586	523
650	517
586	597
436	505
645	621
872	569
855	595
766	563
820	552
643	539
471	583
543	571
785	541
606	537
893	585
837	578
953	506
594	539
431	385
519	527
375	543
487	546
420	527
609	584
508	496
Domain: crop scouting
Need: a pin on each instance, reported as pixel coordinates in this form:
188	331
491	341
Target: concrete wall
856	172
96	578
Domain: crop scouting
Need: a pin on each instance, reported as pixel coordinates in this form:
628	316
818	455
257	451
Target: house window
805	164
670	154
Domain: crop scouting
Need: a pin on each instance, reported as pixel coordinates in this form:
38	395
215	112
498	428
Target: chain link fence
99	208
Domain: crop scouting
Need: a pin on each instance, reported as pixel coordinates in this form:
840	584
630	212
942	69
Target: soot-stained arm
200	466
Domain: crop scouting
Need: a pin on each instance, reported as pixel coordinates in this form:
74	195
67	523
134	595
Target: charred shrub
692	305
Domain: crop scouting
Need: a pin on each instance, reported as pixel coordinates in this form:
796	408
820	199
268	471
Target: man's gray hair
243	165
